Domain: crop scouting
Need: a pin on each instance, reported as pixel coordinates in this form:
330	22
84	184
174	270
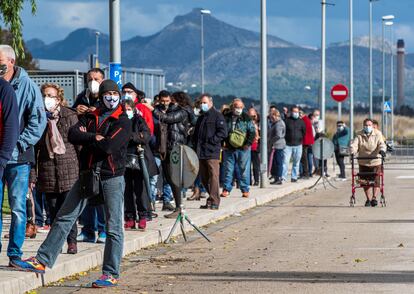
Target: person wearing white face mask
237	145
209	132
87	100
104	135
57	165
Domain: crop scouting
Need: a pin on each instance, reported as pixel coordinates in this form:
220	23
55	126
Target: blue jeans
166	188
93	219
296	153
310	160
17	178
40	206
198	184
241	158
277	165
113	194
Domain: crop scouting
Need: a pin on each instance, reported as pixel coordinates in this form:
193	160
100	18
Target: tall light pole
351	69
371	86
263	98
97	49
323	64
390	24
385	19
115	68
202	13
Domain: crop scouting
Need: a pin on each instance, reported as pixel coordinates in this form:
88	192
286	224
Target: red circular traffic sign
339	93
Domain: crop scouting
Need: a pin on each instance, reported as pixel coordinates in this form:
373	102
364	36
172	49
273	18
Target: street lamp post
97	49
202	13
385	19
323	63
390	24
115	31
263	99
351	69
371	113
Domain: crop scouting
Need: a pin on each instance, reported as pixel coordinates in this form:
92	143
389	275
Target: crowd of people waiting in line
50	150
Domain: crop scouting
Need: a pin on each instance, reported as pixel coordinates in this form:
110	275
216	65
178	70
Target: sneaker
129	224
83	237
105	281
72	248
167	206
142	224
173	214
225	194
245	194
45	229
210	206
374	202
101	238
367	203
29	265
294	180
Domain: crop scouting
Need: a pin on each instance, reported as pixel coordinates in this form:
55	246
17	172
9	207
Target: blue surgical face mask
130	113
341	128
204	107
295	115
127	97
368	129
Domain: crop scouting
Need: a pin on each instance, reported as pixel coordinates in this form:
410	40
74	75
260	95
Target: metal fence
403	151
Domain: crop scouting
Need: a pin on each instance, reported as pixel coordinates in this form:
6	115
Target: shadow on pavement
305	277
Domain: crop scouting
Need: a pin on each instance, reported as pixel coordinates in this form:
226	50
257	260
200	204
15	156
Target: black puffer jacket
295	131
178	120
111	150
141	135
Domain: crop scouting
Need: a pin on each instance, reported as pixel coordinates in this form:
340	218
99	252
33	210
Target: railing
402	151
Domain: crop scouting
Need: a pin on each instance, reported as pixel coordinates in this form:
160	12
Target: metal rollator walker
358	180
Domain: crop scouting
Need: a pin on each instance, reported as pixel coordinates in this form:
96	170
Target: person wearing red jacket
129	92
307	142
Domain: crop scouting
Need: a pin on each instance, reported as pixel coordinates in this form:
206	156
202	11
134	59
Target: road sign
323	148
115	73
184	166
387	107
339	93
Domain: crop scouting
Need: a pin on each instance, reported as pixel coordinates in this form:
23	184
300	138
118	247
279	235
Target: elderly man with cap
129	92
104	135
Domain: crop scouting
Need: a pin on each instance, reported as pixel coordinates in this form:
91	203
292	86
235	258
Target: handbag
90	182
344	151
132	162
237	138
90	179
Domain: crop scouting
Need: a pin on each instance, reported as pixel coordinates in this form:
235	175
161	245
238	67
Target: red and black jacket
112	150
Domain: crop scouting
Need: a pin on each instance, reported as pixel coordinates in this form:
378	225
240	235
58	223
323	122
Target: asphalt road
310	242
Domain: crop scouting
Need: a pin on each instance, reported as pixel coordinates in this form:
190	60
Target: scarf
54	141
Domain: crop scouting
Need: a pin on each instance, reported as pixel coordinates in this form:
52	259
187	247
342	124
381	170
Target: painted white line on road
405	177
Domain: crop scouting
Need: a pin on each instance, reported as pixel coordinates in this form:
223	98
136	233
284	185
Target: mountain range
232	59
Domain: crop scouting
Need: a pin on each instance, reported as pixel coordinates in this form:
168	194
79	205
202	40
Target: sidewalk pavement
91	255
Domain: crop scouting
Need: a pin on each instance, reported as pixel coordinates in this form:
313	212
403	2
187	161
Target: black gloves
382	152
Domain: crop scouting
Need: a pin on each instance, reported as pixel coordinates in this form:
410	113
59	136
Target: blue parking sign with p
387	107
115	73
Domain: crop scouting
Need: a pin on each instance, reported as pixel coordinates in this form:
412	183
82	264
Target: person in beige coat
369	143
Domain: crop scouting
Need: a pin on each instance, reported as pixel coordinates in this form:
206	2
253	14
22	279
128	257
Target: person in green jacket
341	142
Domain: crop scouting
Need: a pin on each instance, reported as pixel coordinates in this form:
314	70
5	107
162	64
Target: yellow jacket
368	145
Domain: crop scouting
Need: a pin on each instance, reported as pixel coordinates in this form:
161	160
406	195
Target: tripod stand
182	214
322	156
180	220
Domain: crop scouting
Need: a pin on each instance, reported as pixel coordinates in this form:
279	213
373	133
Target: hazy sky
297	21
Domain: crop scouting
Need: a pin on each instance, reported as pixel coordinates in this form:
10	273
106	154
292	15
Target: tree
10	15
25	59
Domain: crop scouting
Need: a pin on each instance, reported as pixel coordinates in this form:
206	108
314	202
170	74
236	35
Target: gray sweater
277	135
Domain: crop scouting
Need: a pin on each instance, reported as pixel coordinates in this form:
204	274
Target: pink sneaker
142	224
129	224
